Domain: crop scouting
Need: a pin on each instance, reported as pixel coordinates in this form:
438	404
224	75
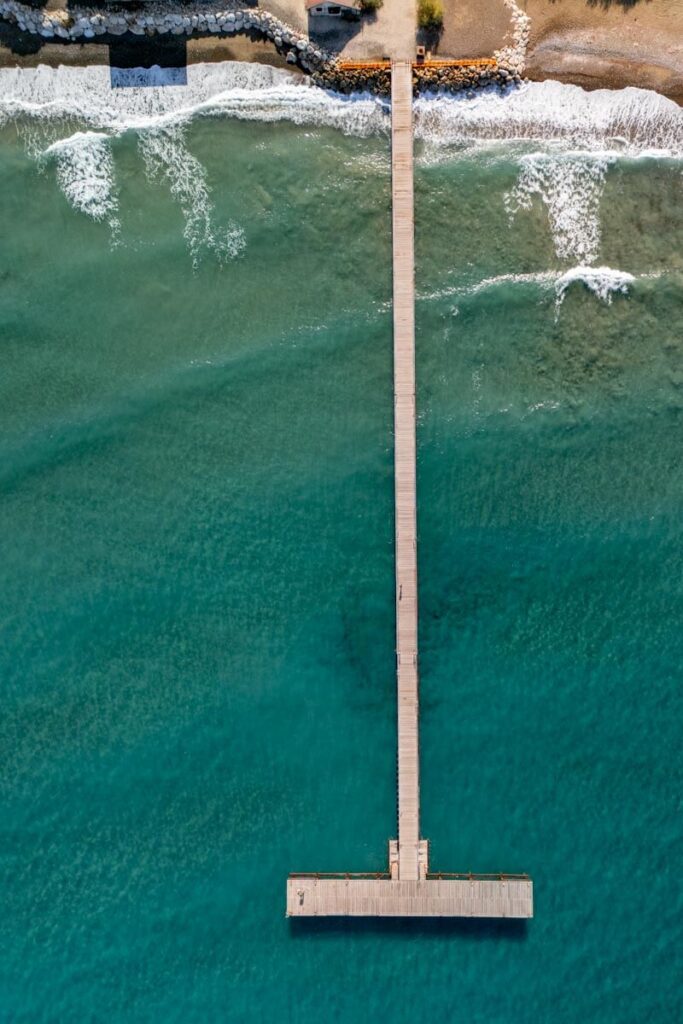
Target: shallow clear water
196	532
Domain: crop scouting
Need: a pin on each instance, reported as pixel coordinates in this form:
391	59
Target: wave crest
604	282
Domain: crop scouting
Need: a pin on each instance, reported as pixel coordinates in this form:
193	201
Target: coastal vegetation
430	14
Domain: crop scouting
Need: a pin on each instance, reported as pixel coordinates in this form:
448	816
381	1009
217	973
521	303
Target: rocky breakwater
349	80
462	77
450	78
80	24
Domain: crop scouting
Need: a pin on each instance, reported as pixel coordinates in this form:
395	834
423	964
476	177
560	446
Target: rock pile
345	80
449	78
83	23
513	58
461	78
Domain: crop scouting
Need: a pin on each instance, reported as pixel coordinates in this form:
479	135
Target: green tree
430	14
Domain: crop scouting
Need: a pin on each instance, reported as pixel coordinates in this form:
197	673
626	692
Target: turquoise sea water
196	530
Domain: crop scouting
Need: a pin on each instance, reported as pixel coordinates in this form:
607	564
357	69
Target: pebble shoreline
81	24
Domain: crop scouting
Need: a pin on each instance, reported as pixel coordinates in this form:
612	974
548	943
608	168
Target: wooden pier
407	889
405	469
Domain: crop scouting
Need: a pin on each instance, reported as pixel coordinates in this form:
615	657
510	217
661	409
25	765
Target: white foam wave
570	186
575	134
85	173
166	155
49	104
630	121
235	89
604	282
579	134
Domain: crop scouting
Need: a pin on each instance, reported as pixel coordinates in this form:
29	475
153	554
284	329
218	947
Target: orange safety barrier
340	874
432	876
478	62
385	65
470	877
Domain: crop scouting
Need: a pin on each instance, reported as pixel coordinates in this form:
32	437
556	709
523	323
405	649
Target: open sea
196	549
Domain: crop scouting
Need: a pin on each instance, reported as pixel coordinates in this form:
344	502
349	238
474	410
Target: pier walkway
407	889
405	468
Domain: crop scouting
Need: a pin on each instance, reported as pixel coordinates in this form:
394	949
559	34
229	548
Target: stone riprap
79	24
82	24
512	58
447	78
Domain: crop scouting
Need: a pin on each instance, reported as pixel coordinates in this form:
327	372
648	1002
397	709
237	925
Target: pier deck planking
381	897
405	468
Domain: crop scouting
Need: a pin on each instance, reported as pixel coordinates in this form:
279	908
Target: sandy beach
607	44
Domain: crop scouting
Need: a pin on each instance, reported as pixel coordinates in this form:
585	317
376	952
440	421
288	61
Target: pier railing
432	876
339	874
468	876
385	65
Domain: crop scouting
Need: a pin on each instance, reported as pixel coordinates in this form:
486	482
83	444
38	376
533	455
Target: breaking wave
252	92
71	114
602	282
52	107
634	122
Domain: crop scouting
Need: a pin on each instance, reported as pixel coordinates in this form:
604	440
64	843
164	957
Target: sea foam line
232	89
633	122
603	282
628	121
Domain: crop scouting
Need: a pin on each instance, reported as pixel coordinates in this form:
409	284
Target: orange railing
485	62
464	876
339	874
385	65
470	877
